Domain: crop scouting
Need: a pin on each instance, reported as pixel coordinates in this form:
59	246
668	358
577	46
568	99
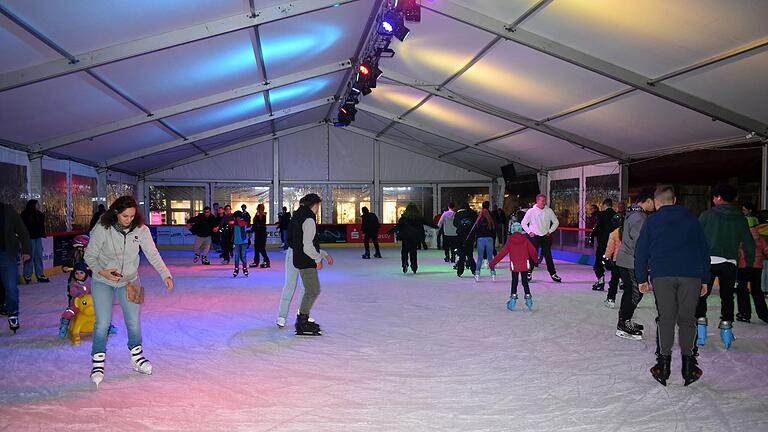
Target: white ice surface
429	352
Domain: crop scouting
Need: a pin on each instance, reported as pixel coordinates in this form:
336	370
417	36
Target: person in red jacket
521	254
752	273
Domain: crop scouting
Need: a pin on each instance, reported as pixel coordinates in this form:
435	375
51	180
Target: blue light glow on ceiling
222	64
304	89
312	41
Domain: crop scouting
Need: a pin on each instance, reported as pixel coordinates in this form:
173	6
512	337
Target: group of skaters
232	234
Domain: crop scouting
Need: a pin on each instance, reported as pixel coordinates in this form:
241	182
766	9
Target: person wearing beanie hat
521	254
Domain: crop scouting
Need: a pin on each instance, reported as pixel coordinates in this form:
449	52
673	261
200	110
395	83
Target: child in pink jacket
521	254
752	274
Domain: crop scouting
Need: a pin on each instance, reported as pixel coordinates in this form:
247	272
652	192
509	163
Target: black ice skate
366	256
306	328
265	265
690	370
205	261
13	323
599	285
660	370
377	255
625	330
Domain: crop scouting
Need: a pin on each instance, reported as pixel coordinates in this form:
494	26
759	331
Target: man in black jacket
307	259
464	220
370	230
600	234
283	223
202	227
12	234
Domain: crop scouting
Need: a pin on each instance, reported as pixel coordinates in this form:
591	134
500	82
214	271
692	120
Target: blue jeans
284	238
36	261
484	246
241	255
103	296
9	275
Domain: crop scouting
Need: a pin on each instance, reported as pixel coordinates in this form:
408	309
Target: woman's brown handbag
134	292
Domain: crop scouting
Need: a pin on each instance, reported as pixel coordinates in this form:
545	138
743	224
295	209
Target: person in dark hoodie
202	227
370	229
463	221
13	237
34	220
225	230
625	261
521	254
410	231
673	247
725	228
600	233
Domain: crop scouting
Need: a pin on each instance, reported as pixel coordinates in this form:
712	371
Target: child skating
240	239
521	254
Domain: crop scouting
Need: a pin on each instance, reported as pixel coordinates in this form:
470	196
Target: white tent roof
135	86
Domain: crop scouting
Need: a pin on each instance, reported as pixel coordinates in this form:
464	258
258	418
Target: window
564	201
396	198
13	185
236	196
174	205
348	203
116	190
601	187
54	200
292	195
83	201
459	195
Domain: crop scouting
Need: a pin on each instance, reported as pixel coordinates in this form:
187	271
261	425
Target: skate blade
625	335
309	333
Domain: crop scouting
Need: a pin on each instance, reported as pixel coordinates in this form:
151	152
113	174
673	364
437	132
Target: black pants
260	246
367	237
726	275
752	276
449	247
440	239
226	245
631	296
408	251
613	284
545	244
676	300
522	276
599	268
464	251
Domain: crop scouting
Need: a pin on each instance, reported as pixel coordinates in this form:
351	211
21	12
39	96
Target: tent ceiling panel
393	98
217	115
19	49
85	25
530	83
652	37
235	136
507	11
740	84
58	106
308	41
186	72
485	161
407	134
301	118
158	159
370	122
639	123
460	121
542	149
436	48
104	147
305	91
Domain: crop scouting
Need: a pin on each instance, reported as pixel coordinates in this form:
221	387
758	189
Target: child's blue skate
112	329
63	328
529	301
701	331
726	333
512	302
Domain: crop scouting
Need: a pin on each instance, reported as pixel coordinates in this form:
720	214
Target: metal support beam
594	64
35	176
277	191
456	140
402	146
217	131
75	63
623	182
102	182
577	140
183	107
229	148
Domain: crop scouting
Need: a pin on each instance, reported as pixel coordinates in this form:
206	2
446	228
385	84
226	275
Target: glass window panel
459	195
396	198
13	185
54	199
115	190
292	195
83	201
236	196
174	205
348	203
601	187
564	200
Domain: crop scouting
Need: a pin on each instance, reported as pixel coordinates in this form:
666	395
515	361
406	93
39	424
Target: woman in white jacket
113	256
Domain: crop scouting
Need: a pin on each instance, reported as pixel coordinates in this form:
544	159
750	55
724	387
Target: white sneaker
139	363
477	278
493	277
280	322
610	304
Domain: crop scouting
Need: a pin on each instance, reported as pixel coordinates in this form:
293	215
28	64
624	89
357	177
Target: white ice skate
97	368
139	363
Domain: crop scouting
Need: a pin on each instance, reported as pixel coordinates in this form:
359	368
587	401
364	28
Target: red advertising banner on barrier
355	235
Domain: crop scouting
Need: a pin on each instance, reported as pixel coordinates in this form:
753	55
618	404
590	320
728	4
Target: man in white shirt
539	222
449	233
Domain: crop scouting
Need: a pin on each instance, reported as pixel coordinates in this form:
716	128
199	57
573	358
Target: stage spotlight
364	69
385	53
411	9
401	32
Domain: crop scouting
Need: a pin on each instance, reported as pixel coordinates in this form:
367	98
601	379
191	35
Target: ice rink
425	352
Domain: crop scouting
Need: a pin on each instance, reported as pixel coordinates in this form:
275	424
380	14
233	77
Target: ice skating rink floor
429	352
